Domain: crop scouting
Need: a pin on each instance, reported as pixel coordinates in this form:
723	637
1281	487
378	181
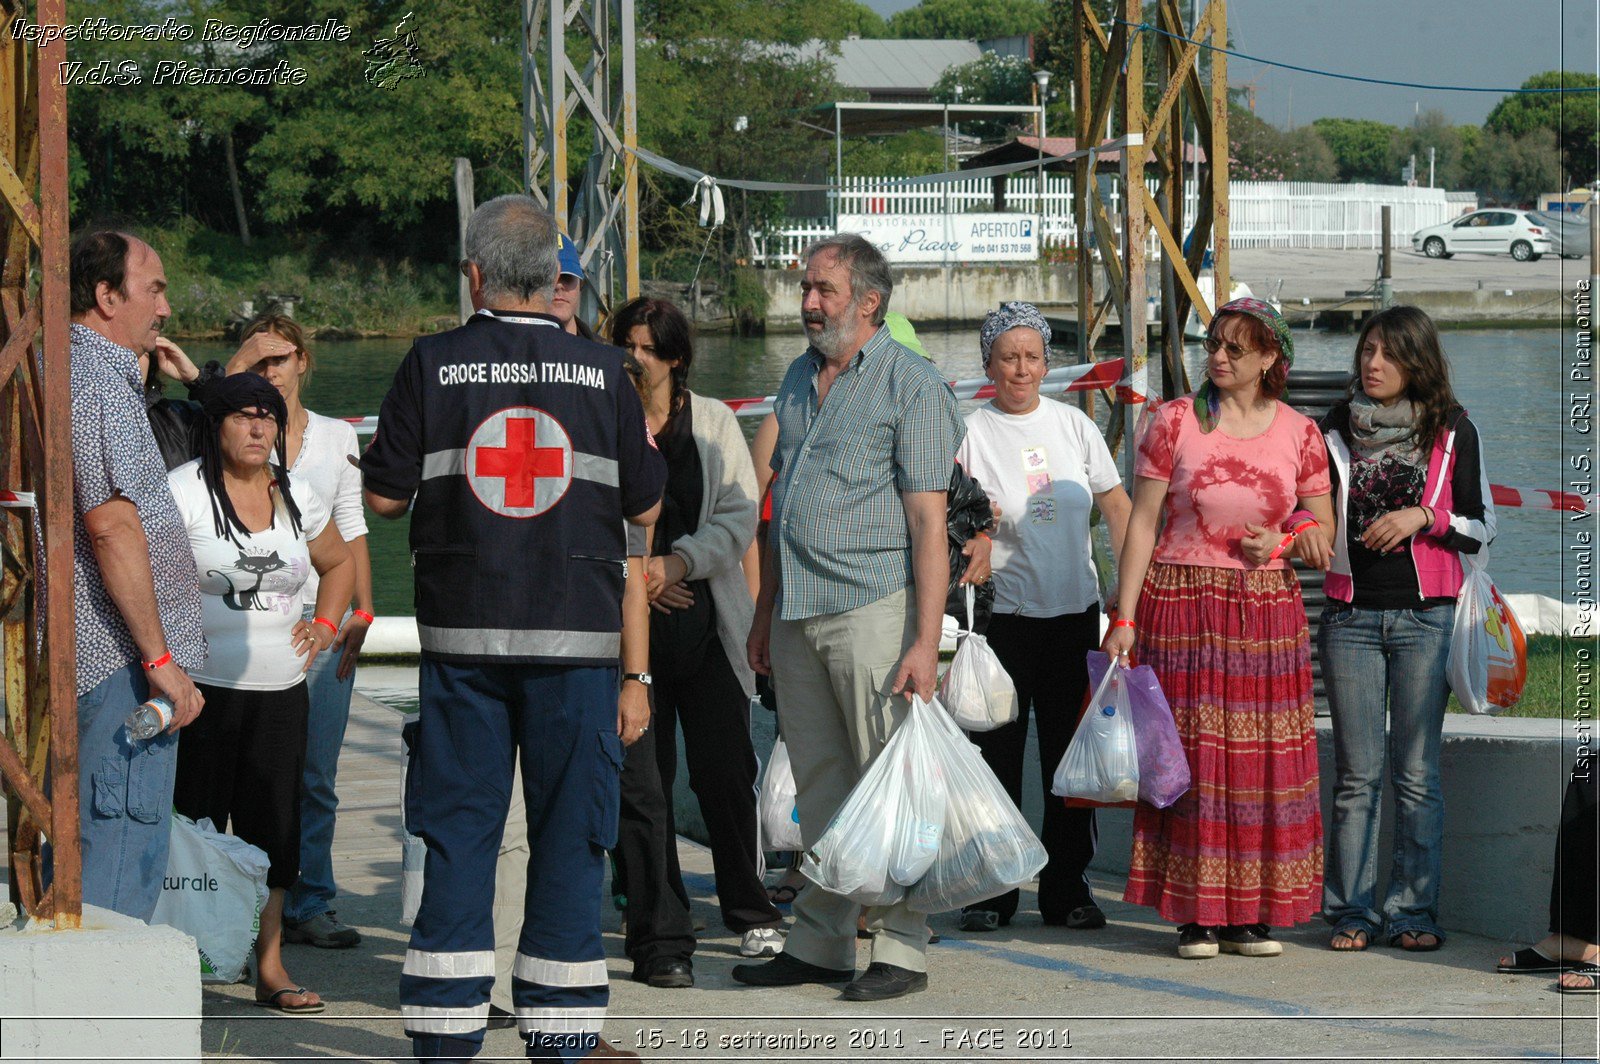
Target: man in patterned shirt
137	594
857	573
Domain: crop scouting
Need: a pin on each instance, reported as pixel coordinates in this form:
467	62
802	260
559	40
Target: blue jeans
313	893
1373	660
124	798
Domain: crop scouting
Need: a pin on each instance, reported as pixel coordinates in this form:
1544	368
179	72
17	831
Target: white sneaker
761	942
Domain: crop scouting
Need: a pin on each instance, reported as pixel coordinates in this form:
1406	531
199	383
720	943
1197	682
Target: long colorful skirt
1244	844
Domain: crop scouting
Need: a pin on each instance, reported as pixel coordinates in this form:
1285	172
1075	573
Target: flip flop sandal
1359	936
783	894
1590	970
1417	945
1529	961
273	1002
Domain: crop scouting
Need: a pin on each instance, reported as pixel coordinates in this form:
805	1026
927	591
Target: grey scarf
1377	430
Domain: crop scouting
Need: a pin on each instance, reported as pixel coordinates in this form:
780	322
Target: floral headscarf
1207	400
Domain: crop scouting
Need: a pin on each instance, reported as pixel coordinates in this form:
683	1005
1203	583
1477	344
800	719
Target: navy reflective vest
525	448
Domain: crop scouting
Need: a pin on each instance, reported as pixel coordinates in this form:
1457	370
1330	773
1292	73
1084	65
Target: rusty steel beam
56	494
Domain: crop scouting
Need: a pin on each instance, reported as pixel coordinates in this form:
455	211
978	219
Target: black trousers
1573	903
1045	659
695	686
659	924
241	760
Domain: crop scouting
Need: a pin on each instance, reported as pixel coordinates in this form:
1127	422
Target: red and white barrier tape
20	500
1063	379
1539	499
1069	379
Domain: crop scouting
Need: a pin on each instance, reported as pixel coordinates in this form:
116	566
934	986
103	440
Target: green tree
991	79
1309	157
1515	169
1574	118
996	79
1431	130
1262	152
1361	148
961	20
910	154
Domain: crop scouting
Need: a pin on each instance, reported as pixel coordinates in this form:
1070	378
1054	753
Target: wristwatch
642	677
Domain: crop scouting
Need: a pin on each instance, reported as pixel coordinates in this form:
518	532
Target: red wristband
1120	623
329	625
985	535
1302	526
363	614
165	659
1281	547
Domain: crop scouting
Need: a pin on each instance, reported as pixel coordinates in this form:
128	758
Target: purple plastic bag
1163	766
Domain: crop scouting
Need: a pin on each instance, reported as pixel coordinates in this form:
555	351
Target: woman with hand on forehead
256	539
1238	483
322	455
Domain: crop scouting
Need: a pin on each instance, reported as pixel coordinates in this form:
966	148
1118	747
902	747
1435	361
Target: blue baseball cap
570	262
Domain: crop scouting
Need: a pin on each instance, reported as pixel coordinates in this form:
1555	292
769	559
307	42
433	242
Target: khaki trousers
833	674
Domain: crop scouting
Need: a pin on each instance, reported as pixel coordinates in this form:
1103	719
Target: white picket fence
1262	214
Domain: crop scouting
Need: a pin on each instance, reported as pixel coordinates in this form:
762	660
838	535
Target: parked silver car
1496	231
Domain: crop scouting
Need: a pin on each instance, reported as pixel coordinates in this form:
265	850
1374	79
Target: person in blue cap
569	288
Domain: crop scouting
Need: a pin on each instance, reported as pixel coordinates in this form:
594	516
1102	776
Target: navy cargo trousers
474	720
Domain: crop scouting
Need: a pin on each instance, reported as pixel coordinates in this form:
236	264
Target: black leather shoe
1249	940
784	970
880	982
1197	942
668	973
500	1019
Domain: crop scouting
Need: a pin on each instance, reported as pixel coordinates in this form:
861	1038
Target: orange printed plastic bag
1488	652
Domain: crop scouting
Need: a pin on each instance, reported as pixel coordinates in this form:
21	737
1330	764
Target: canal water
1509	380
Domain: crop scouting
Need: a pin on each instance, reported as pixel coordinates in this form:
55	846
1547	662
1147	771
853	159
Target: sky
1438	42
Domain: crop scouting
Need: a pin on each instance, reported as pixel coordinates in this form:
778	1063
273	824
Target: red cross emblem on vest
519	462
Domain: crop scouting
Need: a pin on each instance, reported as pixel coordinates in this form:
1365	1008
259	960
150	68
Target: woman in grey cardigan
701	612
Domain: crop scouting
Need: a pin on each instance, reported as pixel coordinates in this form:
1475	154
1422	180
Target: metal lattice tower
599	211
1151	146
41	714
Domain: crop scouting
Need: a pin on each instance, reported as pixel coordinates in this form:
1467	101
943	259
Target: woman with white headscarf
1044	466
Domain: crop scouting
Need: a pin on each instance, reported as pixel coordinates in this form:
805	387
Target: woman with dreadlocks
254	547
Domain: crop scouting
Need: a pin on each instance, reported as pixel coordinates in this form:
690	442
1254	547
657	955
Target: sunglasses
1213	344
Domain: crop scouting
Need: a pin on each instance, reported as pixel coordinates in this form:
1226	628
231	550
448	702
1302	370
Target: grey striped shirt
890	425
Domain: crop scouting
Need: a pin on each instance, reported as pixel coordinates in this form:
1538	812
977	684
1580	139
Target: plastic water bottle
1124	762
149	719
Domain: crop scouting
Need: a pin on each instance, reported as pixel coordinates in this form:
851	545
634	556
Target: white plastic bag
413	851
1102	761
920	822
779	816
977	690
1488	663
987	847
883	825
214	889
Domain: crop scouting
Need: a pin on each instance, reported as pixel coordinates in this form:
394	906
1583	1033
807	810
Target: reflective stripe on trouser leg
571	763
458	786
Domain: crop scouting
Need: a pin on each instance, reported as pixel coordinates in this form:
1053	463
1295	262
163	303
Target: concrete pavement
1024	992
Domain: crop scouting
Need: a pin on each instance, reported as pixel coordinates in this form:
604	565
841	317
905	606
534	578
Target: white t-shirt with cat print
250	590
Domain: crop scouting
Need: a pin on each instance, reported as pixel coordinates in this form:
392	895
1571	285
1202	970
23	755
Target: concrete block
115	990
